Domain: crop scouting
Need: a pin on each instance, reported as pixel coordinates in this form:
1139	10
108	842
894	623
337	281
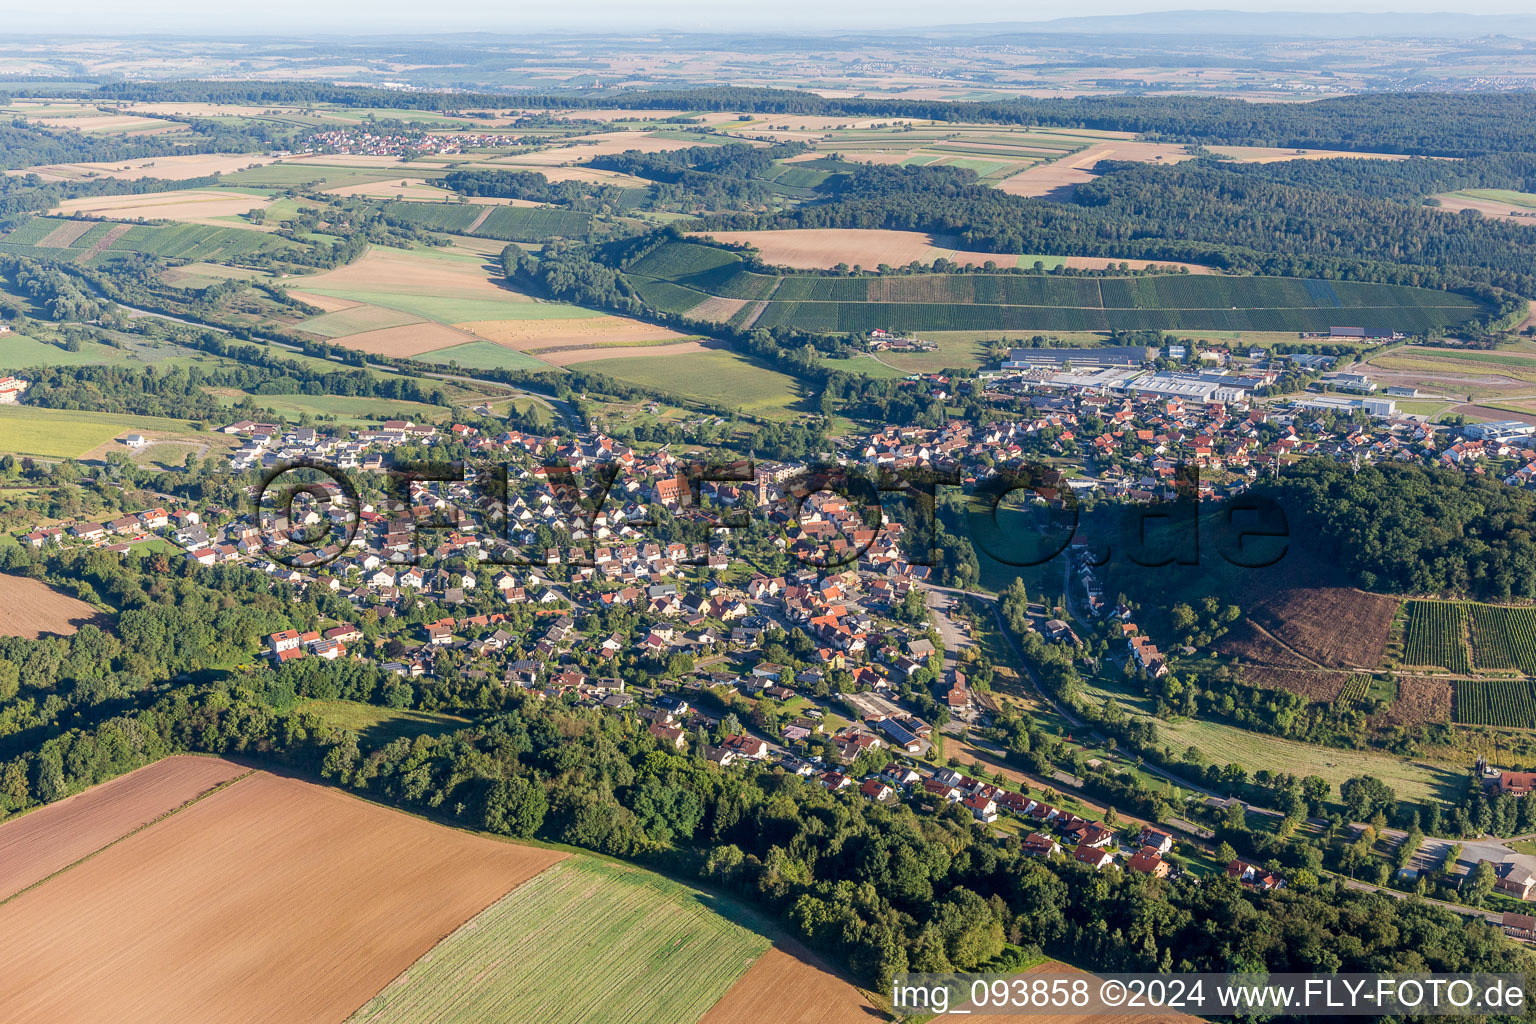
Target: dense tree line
1199	211
535	187
1409	529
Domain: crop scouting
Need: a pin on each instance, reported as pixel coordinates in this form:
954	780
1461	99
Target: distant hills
1344	25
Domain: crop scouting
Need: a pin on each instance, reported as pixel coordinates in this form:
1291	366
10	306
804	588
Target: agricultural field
680	277
190	919
91	241
350	409
786	985
1503	638
32	609
17	352
1506	204
505	223
49	839
825	248
713	377
1517	363
70	434
1224	744
193	205
583	934
482	355
1504	703
1436	635
172	168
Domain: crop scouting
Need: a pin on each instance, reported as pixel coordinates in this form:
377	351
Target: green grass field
356	320
449	310
483	355
1500	195
17	352
1223	744
68	434
378	726
349	409
584	941
715	377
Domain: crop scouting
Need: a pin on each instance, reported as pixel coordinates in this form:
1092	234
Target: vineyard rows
1504	638
1506	703
971	301
1354	691
1437	635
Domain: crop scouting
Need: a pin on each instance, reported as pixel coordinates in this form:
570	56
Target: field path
1287	647
475	226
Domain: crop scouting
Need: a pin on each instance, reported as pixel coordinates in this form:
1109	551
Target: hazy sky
365	17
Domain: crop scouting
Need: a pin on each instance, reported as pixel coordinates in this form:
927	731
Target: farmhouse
1515	783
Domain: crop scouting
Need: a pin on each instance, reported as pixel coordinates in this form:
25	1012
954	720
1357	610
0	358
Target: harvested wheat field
527	335
1272	154
825	248
1057	180
575	172
32	609
408	272
1496	208
171	168
52	838
588	353
787	986
273	900
188	204
394	188
329	303
403	342
585	147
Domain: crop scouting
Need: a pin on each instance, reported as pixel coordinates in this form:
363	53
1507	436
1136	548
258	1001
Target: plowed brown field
787	987
272	902
51	838
32	609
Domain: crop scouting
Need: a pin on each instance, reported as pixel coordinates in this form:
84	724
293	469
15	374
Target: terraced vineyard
1504	638
682	275
1505	703
1437	635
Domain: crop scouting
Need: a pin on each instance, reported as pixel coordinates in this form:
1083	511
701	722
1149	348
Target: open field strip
825	248
586	940
714	376
272	900
172	168
70	433
482	355
187	204
51	838
17	351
